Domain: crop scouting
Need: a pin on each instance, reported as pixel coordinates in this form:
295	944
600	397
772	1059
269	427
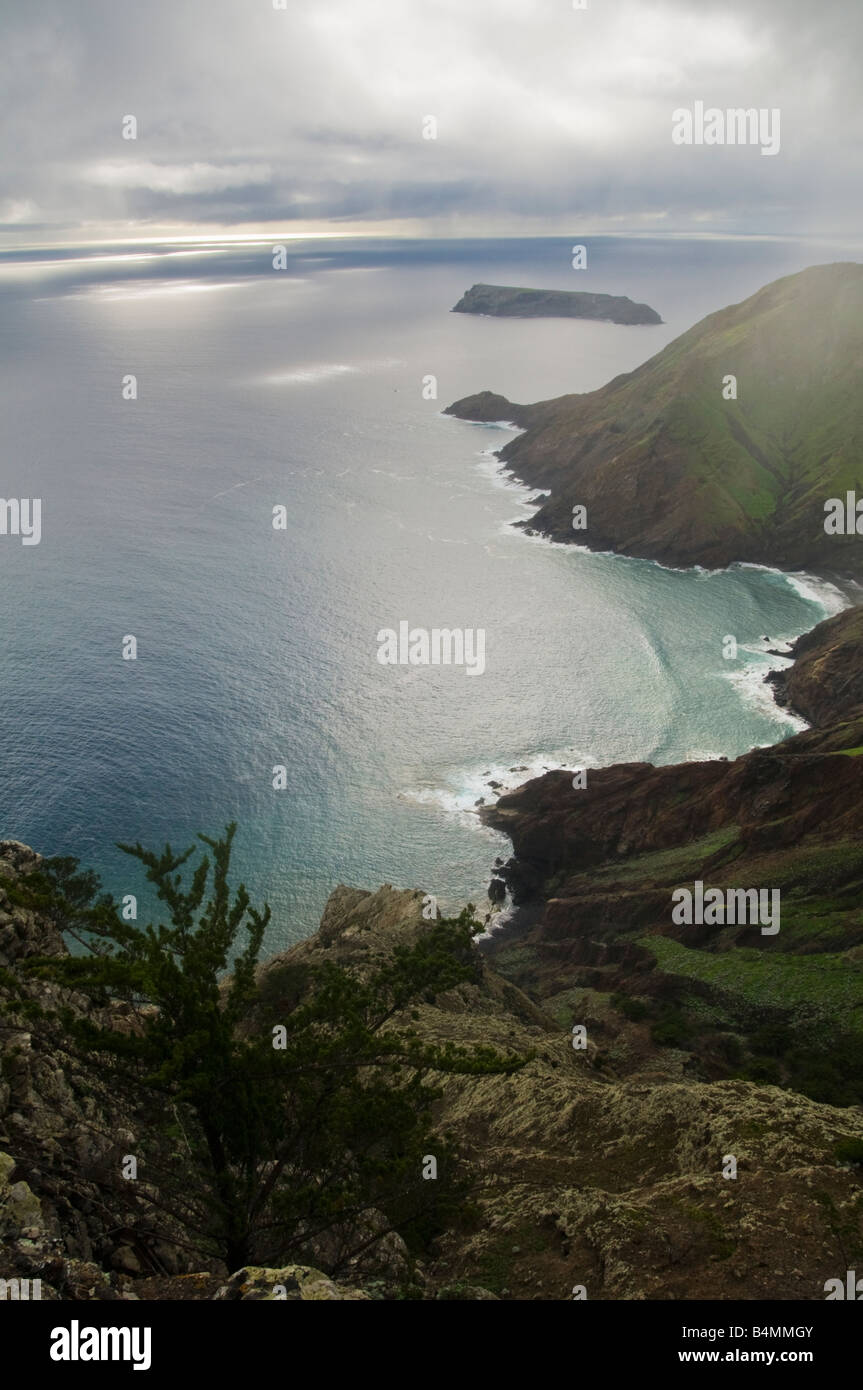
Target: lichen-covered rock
64	1132
466	1293
291	1283
583	1177
20	1209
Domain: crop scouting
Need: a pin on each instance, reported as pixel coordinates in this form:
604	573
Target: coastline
849	586
519	918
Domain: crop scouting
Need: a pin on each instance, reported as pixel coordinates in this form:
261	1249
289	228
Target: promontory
739	441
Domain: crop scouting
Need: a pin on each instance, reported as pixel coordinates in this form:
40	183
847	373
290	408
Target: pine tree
298	1108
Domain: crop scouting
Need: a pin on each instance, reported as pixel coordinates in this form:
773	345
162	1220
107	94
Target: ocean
309	389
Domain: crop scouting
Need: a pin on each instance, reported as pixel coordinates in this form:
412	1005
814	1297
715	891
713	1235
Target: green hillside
671	470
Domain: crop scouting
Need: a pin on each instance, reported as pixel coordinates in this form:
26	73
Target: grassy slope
671	470
786	1009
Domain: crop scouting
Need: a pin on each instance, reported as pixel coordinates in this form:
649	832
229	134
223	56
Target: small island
502	301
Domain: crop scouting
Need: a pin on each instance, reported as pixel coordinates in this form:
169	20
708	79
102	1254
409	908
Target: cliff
825	683
670	469
502	301
584	1175
600	1166
594	870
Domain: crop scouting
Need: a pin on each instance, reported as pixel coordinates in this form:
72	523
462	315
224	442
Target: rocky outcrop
588	1172
64	1134
503	301
825	683
293	1283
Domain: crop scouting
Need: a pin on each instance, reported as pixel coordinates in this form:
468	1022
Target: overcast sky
550	119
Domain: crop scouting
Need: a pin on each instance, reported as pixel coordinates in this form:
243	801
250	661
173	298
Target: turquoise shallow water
258	647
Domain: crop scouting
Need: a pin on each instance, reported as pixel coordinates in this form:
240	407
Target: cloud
176	178
17	210
546	115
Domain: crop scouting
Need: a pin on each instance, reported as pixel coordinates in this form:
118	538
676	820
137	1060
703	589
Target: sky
550	120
